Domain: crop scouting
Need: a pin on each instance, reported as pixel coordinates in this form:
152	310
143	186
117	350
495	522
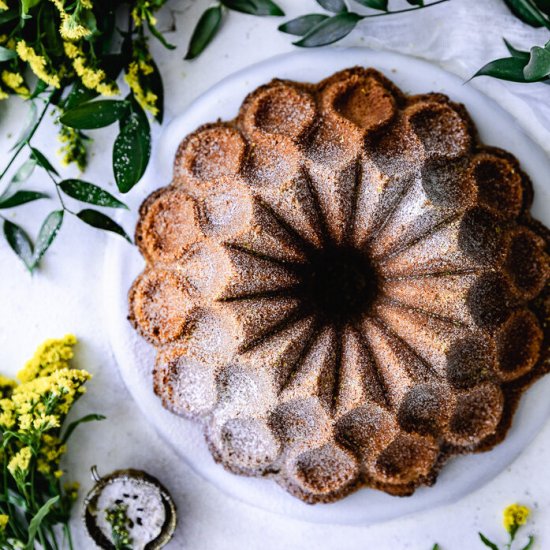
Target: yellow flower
52	355
72	29
16	82
514	516
94	79
58	473
146	99
3	94
72	51
37	64
3	522
3	6
6	386
19	464
71	490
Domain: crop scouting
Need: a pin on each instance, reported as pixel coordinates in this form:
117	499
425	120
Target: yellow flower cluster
16	82
94	79
146	98
514	516
37	64
3	6
71	28
3	522
73	148
142	12
39	404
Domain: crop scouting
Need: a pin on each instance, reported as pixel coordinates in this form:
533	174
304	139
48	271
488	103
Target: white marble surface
64	297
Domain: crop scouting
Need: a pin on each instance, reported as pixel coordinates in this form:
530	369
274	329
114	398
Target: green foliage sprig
317	29
524	66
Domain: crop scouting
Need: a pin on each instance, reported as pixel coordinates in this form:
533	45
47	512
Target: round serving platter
135	357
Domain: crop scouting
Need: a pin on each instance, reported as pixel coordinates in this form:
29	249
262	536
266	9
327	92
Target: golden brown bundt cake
344	287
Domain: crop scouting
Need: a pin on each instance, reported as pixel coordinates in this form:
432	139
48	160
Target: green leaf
436	547
329	31
302	25
23	174
160	37
254	7
374	4
132	149
19	242
6	54
543	5
35	522
539	64
156	86
515	52
84	191
31	119
507	68
101	221
487	542
21	197
73	425
529	544
43	162
79	94
47	234
27	5
204	32
94	114
335	6
7	16
416	2
527	12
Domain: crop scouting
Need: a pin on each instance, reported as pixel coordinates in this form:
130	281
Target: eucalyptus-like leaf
42	161
487	542
84	191
21	197
507	68
329	31
160	37
6	54
101	221
254	7
302	25
335	6
37	520
28	127
47	234
95	114
374	4
539	64
22	174
73	425
204	32
528	13
19	242
515	52
132	149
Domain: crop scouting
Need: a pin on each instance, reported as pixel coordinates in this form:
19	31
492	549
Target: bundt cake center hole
340	284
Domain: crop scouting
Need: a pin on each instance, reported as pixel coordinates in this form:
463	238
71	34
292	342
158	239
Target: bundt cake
344	286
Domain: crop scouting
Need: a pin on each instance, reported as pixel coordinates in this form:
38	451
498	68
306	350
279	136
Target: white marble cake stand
135	358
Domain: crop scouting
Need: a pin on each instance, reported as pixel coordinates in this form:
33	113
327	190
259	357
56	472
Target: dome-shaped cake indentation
442	295
168	226
211	153
476	415
279	109
362	100
187	386
471	361
407	459
441	129
519	341
300	420
246	445
527	266
161	305
325	470
499	184
425	409
344	286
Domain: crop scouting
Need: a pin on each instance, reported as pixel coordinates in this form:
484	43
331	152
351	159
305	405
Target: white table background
65	296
